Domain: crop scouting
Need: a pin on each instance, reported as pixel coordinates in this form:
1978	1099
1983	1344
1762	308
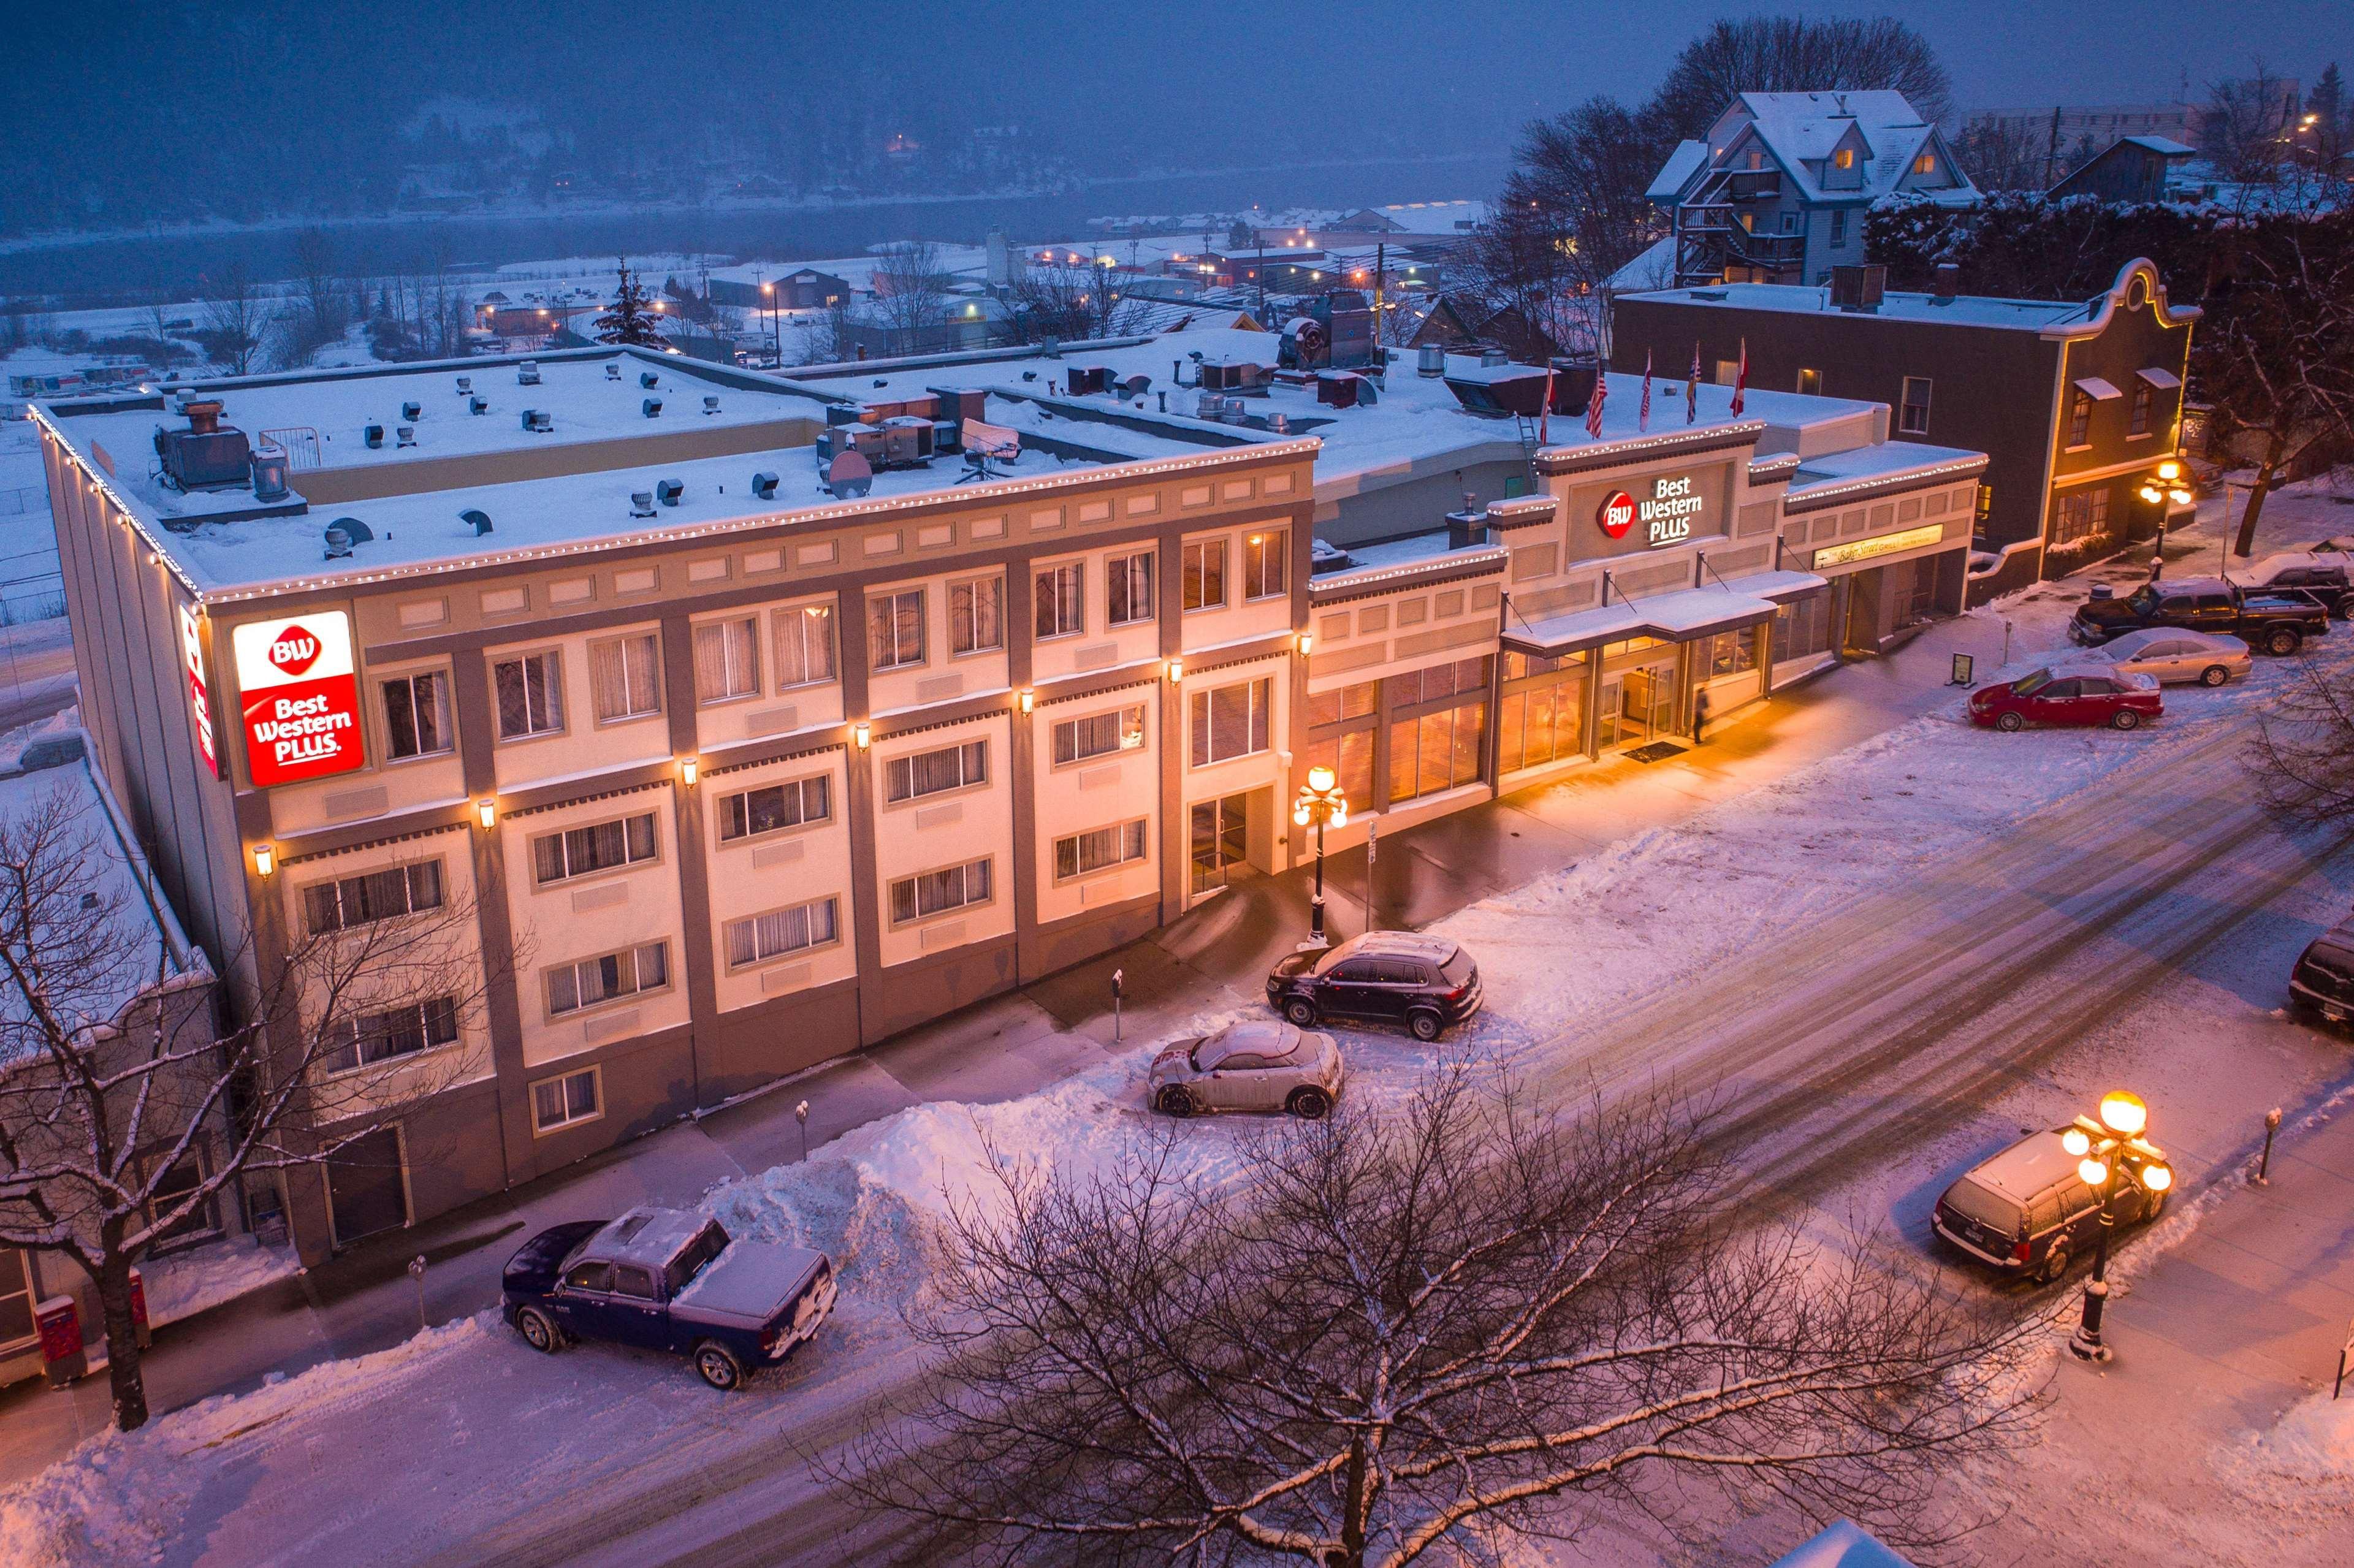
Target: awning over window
2094	388
1677	617
2164	380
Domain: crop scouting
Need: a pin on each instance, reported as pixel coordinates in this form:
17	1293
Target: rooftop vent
527	373
269	472
668	491
343	533
412	411
208	455
1430	360
711	403
1082	380
652	406
1491	357
1467	529
372	434
1947	283
538	421
476	519
465	386
764	486
204	415
1857	288
477	405
642	503
1501	390
405	435
648	379
612	370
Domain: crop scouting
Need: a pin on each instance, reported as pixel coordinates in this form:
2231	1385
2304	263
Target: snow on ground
457	1423
191	1282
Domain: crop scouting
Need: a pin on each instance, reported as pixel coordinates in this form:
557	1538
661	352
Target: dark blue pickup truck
664	1279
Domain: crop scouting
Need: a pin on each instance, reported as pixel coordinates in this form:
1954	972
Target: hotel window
1541	718
934	772
1061	594
939	892
1438	728
2140	425
1205	574
602	846
895	629
560	1102
727	659
1811	382
1127	588
2080	421
1100	850
1340	736
608	978
625	677
1230	722
1266	563
402	1031
977	615
417	714
2082	513
1914	421
772	808
804	643
1839	225
354	901
783	931
1731	653
1099	735
530	692
1802	629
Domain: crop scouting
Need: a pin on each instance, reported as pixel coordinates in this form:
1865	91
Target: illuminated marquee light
200	700
300	695
1886	544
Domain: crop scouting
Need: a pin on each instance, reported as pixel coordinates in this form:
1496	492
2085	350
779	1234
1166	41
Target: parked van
2027	1212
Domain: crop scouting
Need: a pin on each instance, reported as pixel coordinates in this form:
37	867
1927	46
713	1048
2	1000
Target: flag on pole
1643	414
1741	380
1594	405
1692	387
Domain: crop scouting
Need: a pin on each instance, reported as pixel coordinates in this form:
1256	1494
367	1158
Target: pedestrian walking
1700	715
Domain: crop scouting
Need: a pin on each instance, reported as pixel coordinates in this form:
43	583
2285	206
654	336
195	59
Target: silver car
1262	1065
2172	656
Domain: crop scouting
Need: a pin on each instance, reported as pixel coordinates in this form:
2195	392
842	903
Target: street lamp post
2162	490
2104	1150
1320	805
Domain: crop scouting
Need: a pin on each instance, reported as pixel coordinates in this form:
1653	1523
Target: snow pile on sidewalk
193	1282
2315	1441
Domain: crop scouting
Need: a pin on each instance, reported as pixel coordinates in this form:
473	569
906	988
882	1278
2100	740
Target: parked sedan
1427	983
2322	984
1262	1065
2171	657
2069	695
2026	1210
666	1280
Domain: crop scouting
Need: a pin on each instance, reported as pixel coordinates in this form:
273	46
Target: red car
2113	697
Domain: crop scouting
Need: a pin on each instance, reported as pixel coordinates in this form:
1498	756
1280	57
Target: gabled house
1777	192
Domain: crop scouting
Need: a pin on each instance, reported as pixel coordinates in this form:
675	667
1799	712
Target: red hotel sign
302	698
200	698
1617	513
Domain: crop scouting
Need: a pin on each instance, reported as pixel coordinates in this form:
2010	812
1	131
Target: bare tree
1407	1335
1071	302
2303	755
1524	266
125	1108
1572	212
911	291
2244	131
238	317
1998	154
2276	356
322	310
1792	54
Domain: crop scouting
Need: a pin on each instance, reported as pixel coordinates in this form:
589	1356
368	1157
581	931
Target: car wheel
1176	1102
2010	722
1308	1105
2213	675
2124	718
1424	1025
717	1365
539	1331
1301	1010
2055	1264
2284	641
2154	1206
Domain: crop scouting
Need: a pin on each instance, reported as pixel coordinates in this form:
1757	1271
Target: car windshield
1460	968
2033	682
2144	599
708	1242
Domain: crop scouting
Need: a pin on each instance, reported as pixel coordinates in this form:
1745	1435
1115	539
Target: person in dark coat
1700	715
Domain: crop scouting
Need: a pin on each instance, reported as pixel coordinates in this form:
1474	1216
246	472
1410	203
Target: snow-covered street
1876	971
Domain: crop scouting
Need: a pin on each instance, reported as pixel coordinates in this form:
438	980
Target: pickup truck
664	1279
2275	623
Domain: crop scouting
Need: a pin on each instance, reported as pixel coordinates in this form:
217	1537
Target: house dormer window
1926	164
1844	158
1756	159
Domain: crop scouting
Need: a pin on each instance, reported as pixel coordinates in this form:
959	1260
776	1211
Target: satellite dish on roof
848	476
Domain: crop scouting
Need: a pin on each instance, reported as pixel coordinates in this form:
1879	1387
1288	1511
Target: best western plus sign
300	698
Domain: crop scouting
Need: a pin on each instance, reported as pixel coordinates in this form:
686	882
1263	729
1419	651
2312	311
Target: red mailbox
61	1348
139	1311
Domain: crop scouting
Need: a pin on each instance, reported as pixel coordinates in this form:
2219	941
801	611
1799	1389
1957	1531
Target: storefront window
1350	755
1731	653
2082	515
1438	728
1541	719
1916	590
1802	629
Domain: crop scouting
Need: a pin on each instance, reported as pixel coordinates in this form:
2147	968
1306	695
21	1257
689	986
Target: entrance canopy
1677	617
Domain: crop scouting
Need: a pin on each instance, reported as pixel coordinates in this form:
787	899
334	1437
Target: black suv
2323	981
2026	1211
1427	983
2275	623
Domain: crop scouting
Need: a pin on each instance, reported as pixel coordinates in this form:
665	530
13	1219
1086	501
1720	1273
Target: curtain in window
977	615
804	639
727	660
1128	595
623	674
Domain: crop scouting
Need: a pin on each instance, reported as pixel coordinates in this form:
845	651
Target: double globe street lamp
1320	805
2104	1151
2166	487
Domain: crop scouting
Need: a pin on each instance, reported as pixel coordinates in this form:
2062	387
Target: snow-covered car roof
2133	642
649	1236
2027	1167
2272	566
2080	664
1259	1037
1398	944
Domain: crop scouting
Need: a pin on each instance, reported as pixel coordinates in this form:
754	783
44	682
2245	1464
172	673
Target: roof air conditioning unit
476	519
527	373
668	491
1857	288
652	406
642	503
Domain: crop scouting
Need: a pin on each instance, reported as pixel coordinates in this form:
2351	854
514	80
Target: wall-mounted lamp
689	769
1306	641
486	811
1029	698
863	733
1176	670
265	859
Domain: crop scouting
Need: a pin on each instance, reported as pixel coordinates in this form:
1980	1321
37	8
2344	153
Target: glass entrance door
1220	841
1638	705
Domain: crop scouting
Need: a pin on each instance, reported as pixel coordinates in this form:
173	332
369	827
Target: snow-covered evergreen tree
631	319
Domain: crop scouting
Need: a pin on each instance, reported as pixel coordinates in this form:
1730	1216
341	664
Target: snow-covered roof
1800	130
2050	318
1844	1545
1654	267
1682	164
1859	467
2164	145
1434	218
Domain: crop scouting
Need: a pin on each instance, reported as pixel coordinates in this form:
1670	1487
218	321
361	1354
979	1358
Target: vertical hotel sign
300	694
200	696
